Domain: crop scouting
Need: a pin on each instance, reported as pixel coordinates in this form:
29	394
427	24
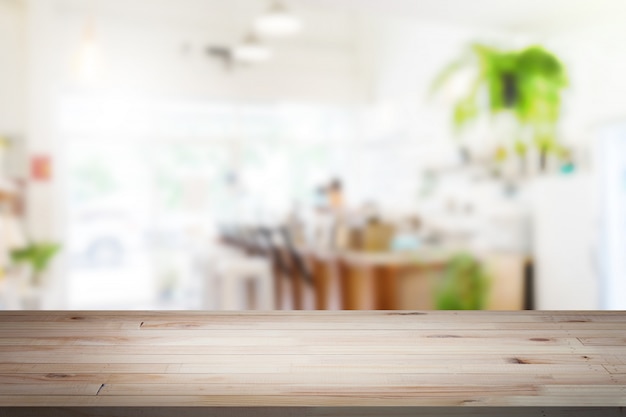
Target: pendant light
277	22
251	51
88	60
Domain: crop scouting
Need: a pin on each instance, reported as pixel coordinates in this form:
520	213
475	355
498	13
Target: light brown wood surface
318	358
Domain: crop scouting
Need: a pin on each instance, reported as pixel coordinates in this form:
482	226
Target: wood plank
199	358
292	339
133	315
616	368
270	365
49	388
69	368
346	324
603	341
154	341
551	376
372	411
187	320
176	337
190	353
304	391
439	398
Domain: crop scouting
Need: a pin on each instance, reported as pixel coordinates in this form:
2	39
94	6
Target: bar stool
233	268
281	268
235	274
302	278
326	271
209	260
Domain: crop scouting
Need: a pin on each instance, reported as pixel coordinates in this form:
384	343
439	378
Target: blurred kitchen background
312	154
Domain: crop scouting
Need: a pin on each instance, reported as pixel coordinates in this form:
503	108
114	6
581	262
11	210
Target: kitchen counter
300	361
408	280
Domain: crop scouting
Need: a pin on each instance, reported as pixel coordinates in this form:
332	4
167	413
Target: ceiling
510	15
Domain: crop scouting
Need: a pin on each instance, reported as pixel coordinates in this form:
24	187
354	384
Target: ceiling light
251	50
277	21
88	61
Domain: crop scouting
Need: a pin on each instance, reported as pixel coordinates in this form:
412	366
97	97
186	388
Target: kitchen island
316	363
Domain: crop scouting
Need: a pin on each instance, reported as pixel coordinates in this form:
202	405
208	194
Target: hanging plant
527	83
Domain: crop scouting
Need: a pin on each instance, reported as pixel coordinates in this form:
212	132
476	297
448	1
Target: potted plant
36	257
464	285
526	84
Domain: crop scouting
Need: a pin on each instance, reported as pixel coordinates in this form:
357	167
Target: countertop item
314	359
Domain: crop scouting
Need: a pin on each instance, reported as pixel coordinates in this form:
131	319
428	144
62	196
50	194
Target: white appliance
611	164
563	235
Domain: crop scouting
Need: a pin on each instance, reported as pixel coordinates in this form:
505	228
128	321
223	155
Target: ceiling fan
250	51
276	22
221	53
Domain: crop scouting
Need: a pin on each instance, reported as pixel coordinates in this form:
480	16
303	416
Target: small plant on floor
464	285
37	256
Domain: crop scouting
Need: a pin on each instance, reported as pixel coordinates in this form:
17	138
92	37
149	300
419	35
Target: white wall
595	56
12	68
611	164
565	255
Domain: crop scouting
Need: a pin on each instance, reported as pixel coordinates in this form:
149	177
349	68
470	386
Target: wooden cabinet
407	281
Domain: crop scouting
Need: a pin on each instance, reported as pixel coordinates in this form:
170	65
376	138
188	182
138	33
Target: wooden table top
323	358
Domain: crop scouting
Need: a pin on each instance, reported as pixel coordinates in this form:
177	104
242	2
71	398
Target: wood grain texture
476	411
313	359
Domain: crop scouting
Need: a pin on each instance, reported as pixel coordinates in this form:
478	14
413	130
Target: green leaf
38	255
464	285
520	147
